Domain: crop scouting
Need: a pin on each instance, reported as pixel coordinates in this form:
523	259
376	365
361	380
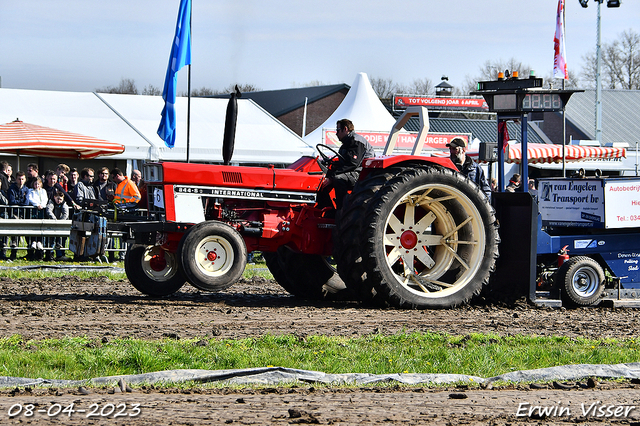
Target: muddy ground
103	308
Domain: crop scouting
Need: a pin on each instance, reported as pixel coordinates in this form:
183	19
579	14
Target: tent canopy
552	153
81	113
133	120
260	138
30	139
362	106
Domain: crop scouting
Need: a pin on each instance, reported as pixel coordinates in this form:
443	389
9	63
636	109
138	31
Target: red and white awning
552	153
29	139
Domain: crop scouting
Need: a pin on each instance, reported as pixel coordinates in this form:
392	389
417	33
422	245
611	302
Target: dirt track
101	308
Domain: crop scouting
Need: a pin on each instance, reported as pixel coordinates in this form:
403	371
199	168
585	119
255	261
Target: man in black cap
466	166
344	172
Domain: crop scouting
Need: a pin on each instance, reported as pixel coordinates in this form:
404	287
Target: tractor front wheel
213	256
153	270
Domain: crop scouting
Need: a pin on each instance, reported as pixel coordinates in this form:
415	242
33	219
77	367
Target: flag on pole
180	56
559	58
504	131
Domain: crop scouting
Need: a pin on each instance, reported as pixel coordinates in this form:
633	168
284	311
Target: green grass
40	273
476	354
259	269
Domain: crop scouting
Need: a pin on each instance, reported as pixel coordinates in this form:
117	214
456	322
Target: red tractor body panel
306	176
269	207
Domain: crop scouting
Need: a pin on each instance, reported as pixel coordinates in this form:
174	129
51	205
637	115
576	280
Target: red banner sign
405	140
444	102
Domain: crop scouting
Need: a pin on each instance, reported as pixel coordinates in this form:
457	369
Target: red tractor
413	232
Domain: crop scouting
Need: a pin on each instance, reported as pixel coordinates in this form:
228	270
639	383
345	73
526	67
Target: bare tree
421	86
313	83
556	83
152	90
206	91
244	88
202	92
469	85
384	87
490	69
127	86
620	63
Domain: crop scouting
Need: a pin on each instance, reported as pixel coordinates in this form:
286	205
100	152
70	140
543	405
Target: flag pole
179	57
189	90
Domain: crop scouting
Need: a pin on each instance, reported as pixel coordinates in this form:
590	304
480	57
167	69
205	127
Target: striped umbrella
29	139
552	153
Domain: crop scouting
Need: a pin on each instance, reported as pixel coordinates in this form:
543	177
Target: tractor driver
466	166
344	172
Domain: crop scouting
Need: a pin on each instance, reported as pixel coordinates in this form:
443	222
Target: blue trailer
588	245
578	241
570	264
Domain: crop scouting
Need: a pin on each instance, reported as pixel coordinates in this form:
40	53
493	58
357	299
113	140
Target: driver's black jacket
354	149
474	172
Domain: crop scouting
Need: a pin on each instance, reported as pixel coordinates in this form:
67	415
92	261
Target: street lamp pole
610	3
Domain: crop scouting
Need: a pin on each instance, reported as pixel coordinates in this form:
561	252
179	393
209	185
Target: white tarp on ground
77	112
362	106
133	120
260	138
281	376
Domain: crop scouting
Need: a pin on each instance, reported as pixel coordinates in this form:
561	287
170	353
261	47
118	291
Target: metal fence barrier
20	226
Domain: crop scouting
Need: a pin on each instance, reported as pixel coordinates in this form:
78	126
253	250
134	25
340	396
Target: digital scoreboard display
530	102
522	96
505	102
542	102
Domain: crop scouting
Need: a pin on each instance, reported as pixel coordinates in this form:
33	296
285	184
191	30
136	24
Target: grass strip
252	270
483	355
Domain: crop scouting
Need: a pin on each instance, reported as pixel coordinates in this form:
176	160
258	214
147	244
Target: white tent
133	120
260	138
362	106
77	112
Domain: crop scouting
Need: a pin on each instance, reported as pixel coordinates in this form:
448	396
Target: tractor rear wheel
153	270
429	239
213	256
348	233
582	281
306	276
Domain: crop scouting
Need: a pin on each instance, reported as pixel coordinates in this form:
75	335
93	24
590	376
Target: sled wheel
153	270
213	256
307	276
430	238
582	281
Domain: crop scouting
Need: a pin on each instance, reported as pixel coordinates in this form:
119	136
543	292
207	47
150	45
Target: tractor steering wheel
326	160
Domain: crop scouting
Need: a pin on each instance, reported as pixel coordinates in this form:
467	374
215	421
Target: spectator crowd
55	195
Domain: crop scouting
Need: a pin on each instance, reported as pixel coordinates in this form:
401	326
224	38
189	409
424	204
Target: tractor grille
232	177
153	203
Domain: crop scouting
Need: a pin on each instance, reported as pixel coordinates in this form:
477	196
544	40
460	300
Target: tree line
620	70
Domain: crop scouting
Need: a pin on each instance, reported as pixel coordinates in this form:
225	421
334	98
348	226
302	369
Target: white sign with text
572	202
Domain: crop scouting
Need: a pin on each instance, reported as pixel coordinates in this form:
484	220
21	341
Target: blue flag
180	56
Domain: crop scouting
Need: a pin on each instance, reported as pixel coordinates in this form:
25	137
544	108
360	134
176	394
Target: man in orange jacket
127	194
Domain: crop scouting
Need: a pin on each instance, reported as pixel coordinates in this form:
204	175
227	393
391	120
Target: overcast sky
82	45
